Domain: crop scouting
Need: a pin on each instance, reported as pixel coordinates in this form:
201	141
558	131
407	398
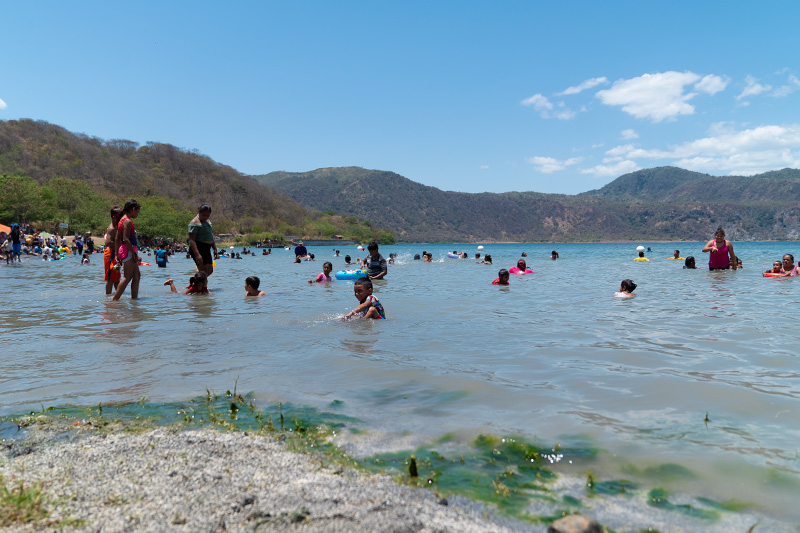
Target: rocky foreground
165	480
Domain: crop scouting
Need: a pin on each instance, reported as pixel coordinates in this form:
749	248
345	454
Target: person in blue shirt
300	250
161	257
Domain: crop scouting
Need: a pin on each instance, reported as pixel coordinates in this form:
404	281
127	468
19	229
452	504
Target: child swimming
626	289
325	275
251	284
198	284
369	306
502	277
690	263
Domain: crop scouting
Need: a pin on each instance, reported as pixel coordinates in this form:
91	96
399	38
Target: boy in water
162	256
251	285
369	306
502	277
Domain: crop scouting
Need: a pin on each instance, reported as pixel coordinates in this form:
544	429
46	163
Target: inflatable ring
351	274
774	274
515	270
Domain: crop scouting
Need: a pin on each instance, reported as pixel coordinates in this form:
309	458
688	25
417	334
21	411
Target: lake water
553	357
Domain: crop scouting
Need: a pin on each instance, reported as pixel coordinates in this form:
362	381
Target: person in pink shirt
720	250
325	275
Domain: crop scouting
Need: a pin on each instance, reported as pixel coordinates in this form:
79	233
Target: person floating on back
369	306
502	277
198	284
251	285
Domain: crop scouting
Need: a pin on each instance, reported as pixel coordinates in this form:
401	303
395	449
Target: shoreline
167	479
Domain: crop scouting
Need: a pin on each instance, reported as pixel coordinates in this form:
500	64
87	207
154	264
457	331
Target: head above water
198	280
689	261
253	281
628	285
521	264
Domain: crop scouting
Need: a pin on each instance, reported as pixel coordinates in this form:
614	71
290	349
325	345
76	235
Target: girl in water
198	284
127	250
521	268
720	250
626	289
325	275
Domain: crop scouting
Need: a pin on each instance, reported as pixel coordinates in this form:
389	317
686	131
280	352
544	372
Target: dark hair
327	263
790	255
477	256
628	285
689	260
311	256
487	257
720	230
503	272
116	214
198	278
347	258
372	246
205	208
524	263
641	254
363	282
416	257
130	205
253	281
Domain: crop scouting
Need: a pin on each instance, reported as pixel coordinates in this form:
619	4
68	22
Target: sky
554	97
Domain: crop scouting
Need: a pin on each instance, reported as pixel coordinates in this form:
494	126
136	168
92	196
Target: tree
22	200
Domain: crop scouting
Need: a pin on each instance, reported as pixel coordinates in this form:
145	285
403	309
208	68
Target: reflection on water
553	354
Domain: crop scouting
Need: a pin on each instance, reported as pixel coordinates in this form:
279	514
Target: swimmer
626	289
416	257
325	275
487	259
524	254
369	306
198	284
689	263
521	268
251	284
676	255
553	255
477	256
776	268
502	277
347	260
788	267
641	257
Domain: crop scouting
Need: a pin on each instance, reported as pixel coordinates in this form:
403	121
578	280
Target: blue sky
469	96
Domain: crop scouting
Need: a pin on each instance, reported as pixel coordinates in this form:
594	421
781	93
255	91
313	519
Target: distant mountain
665	203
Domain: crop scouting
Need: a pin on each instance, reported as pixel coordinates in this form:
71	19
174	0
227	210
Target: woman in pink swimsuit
721	256
127	250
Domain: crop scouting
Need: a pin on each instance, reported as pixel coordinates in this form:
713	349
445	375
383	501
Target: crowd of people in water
122	257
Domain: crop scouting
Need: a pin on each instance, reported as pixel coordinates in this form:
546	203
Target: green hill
665	203
171	181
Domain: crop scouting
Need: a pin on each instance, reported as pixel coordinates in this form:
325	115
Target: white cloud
656	96
712	84
786	90
588	84
538	102
545	107
617	169
753	88
2	104
484	167
744	152
629	134
548	165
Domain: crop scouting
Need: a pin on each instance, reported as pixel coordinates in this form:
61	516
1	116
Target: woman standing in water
110	251
721	255
127	250
201	240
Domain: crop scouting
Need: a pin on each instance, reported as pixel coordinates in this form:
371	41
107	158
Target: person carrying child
325	275
198	284
369	306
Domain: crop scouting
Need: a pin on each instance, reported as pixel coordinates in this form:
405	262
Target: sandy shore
165	480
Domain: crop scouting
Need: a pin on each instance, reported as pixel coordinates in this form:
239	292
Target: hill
665	203
62	162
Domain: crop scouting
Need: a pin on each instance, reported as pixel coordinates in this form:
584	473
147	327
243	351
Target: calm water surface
553	357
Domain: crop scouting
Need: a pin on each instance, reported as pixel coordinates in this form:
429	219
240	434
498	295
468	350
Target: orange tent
5	228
